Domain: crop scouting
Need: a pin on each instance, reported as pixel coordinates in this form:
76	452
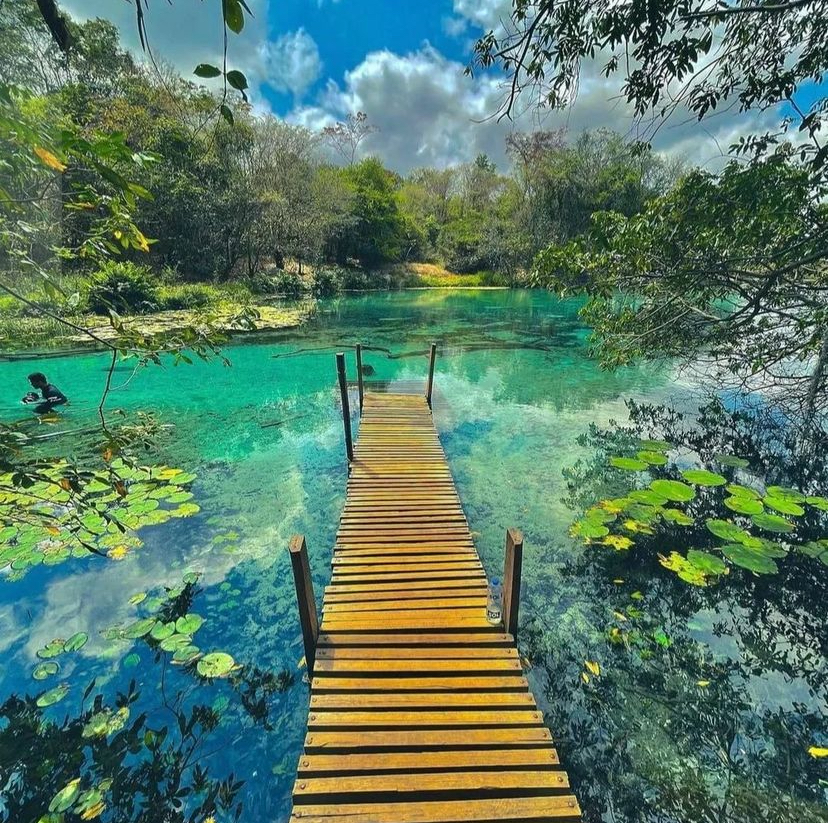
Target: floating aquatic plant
63	513
739	541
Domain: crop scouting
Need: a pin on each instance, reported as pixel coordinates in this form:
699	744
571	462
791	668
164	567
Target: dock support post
346	408
511	581
431	358
359	376
305	598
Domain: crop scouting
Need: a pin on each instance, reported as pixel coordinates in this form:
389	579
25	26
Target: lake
515	389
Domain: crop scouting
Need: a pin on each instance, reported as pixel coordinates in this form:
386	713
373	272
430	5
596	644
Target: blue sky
346	31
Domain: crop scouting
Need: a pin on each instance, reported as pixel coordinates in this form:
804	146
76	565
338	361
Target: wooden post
359	376
431	359
346	408
511	581
304	598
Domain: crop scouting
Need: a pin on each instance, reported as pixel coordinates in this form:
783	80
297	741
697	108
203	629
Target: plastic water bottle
494	606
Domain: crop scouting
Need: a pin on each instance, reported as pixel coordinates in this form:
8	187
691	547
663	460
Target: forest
254	202
596	338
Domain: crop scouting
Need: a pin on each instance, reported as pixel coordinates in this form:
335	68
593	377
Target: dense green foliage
732	265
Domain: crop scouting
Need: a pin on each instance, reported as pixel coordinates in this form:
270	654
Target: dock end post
430	385
512	568
305	598
346	407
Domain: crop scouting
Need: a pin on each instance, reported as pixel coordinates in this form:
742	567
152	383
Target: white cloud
486	14
455	26
429	113
292	62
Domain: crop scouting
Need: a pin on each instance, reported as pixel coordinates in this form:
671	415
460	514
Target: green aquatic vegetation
44	670
49	698
216	664
642	513
628	463
60	512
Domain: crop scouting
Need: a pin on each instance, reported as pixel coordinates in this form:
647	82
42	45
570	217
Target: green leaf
189	624
652	457
749	559
216	664
726	530
744	505
139	628
673	490
628	464
53	696
237	80
702	477
655	445
677	516
783	491
161	631
233	15
44	670
206	70
772	523
588	529
820	503
706	562
784	505
76	641
64	799
52	649
647	496
731	460
742	491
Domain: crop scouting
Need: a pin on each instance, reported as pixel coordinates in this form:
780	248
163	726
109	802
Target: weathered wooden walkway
419	708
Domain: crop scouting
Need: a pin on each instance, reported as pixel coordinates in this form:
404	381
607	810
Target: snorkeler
50	395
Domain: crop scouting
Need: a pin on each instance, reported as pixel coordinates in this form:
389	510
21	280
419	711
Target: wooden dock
419	709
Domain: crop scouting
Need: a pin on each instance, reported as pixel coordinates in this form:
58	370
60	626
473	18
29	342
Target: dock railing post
346	408
511	581
304	598
429	386
359	376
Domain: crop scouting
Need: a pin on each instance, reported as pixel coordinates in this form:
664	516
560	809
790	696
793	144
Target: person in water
50	395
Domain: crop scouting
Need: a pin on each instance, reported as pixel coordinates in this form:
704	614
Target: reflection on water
514	389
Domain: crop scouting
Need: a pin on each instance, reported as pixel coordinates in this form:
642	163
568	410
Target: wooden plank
516	810
313	764
459	783
420	652
402	739
491	637
422	700
446	718
322	685
484	666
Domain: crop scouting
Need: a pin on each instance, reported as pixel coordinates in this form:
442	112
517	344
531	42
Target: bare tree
346	135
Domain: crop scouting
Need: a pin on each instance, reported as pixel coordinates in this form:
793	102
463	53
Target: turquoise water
514	389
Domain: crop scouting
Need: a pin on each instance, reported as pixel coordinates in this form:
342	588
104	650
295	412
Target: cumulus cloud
486	14
292	62
429	113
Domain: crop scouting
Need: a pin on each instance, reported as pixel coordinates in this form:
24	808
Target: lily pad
673	490
161	631
749	559
175	641
772	523
186	654
53	696
652	457
708	563
677	516
784	505
216	664
131	661
655	445
189	624
64	799
588	529
727	530
140	597
44	670
820	503
784	491
744	505
139	628
742	491
52	649
702	477
76	641
631	464
731	460
647	496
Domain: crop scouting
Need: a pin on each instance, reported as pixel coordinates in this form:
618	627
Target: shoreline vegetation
178	307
